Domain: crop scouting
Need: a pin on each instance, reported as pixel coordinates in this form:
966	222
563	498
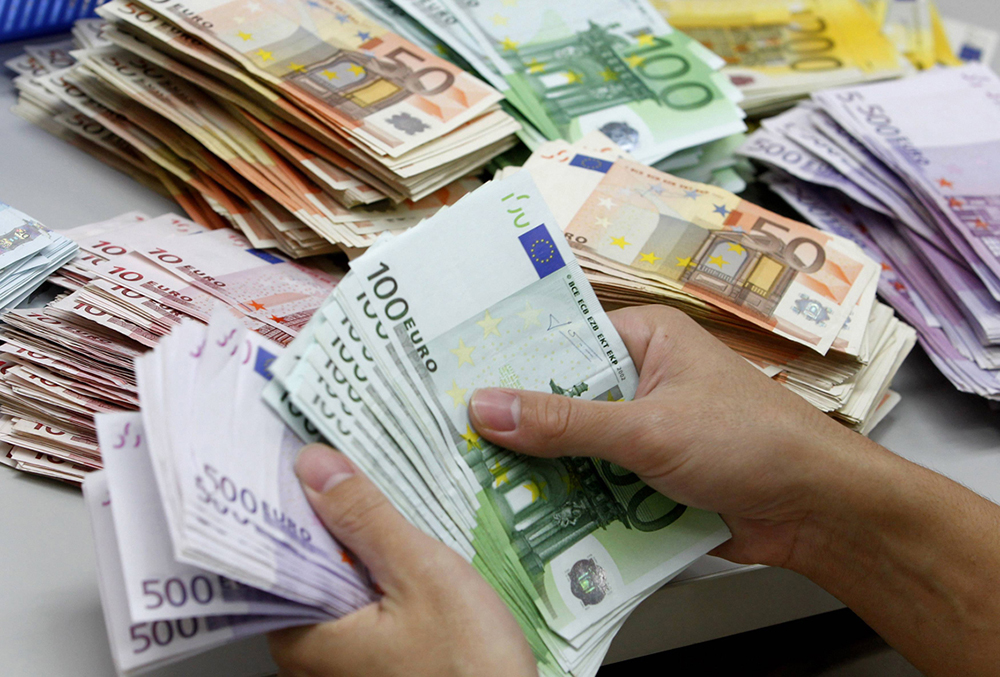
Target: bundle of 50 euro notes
273	118
796	302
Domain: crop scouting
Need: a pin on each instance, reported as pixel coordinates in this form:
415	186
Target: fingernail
321	468
496	409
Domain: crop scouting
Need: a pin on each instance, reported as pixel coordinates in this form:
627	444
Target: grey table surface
50	614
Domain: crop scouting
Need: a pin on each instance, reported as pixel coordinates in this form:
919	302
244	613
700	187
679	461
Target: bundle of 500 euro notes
918	196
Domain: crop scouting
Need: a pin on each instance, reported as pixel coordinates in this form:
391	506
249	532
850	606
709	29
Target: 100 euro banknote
574	67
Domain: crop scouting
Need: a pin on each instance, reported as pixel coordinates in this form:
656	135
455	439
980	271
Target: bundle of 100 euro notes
383	371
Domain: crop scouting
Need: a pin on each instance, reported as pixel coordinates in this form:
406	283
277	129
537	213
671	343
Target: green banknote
574	67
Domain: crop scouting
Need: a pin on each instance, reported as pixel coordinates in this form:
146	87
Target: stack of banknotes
68	356
200	494
301	124
716	163
314	124
907	170
86	33
798	303
971	43
927	38
29	254
916	29
777	51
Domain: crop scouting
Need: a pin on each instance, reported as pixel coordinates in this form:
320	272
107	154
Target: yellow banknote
772	44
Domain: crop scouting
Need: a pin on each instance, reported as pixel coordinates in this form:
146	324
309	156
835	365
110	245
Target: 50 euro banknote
777	273
331	59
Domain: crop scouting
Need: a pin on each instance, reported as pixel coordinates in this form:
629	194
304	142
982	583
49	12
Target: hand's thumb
540	424
359	515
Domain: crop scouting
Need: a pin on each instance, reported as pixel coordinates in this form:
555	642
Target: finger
540	424
360	517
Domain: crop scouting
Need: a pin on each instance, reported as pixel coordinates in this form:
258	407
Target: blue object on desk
27	18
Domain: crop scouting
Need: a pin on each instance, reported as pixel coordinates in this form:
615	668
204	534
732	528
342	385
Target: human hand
705	429
913	553
437	615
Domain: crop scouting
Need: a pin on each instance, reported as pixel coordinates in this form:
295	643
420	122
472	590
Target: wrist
856	491
914	554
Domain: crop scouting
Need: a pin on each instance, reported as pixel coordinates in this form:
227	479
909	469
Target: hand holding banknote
703	421
437	616
908	550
